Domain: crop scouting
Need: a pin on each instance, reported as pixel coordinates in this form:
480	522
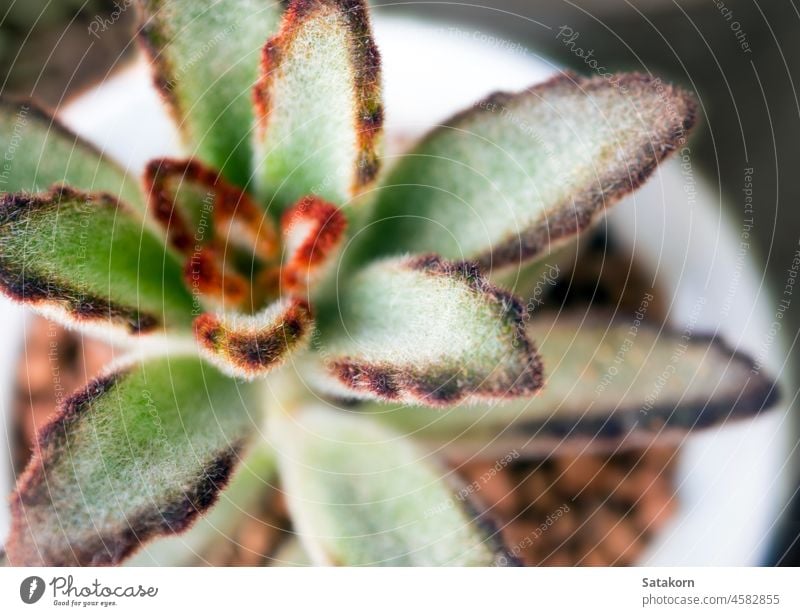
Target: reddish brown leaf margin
109	548
251	346
313	230
365	59
441	387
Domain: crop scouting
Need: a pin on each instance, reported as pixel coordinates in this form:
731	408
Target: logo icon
31	589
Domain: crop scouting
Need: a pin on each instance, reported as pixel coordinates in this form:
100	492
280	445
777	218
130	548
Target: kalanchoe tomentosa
218	268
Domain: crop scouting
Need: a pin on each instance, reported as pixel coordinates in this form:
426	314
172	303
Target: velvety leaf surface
249	346
206	56
359	495
38	151
85	259
517	174
137	454
318	104
427	331
242	499
222	235
607	384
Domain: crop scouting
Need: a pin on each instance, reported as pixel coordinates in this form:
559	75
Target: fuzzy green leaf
361	496
517	174
426	331
138	453
85	260
318	104
206	56
242	499
608	384
38	151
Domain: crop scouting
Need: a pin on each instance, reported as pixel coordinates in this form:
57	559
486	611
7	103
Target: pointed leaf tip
610	385
516	175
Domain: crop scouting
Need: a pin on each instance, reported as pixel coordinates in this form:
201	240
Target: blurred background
740	56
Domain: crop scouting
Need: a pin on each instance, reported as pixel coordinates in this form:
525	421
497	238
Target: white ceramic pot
732	481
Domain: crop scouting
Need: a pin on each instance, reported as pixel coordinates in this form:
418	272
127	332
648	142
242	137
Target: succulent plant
287	303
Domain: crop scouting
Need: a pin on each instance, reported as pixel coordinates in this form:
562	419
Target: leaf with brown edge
610	384
516	175
195	205
249	346
360	495
318	104
86	260
40	151
205	55
214	226
243	498
424	330
138	453
313	230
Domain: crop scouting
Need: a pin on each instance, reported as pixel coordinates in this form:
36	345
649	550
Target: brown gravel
589	510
